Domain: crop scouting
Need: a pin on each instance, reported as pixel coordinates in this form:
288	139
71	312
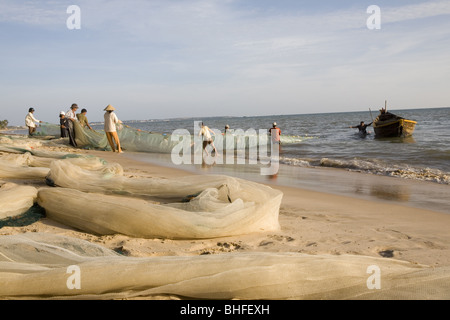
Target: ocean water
325	140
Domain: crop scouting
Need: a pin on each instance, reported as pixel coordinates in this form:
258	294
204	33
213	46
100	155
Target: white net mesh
15	199
11	170
40	266
187	207
137	140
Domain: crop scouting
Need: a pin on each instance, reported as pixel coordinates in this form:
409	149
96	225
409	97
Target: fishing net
27	159
187	207
45	266
15	199
11	170
137	140
18	144
183	208
130	138
28	163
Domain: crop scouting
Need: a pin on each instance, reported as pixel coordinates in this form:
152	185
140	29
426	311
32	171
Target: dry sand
311	222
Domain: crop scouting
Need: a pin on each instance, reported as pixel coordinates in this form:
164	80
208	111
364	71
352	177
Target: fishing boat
388	125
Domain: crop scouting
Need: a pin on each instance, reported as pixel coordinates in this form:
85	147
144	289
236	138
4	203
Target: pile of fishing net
43	266
104	201
29	163
11	170
95	196
16	199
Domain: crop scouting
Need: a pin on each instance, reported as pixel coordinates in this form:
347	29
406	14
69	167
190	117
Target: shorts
206	143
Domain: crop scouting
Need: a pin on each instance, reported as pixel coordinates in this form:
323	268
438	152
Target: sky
159	59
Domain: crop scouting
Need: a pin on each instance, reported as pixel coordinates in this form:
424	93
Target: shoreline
392	190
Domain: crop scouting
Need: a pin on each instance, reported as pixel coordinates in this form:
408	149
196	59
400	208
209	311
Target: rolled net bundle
76	175
15	199
21	144
10	170
192	206
27	159
215	212
35	164
95	164
18	144
45	266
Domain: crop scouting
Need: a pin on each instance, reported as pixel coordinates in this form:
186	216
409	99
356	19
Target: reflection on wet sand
391	192
421	194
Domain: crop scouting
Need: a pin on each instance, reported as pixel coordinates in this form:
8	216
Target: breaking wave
374	166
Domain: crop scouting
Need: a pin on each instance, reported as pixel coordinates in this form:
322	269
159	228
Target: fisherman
30	121
83	119
362	127
227	130
275	133
71	119
63	124
112	124
205	132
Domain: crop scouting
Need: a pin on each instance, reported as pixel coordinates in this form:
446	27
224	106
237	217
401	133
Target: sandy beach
312	223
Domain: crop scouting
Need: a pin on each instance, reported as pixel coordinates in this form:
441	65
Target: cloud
423	10
43	13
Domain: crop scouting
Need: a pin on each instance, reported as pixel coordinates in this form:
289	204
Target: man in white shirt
30	121
205	132
72	117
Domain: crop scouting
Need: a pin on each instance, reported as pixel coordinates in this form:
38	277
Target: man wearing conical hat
110	128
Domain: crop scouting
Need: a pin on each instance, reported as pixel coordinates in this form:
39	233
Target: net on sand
16	199
11	170
183	208
46	266
26	162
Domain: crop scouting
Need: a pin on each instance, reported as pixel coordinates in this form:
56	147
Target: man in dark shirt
362	127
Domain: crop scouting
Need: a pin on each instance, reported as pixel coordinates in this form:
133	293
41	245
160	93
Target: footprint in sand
281	238
394	233
222	247
275	238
